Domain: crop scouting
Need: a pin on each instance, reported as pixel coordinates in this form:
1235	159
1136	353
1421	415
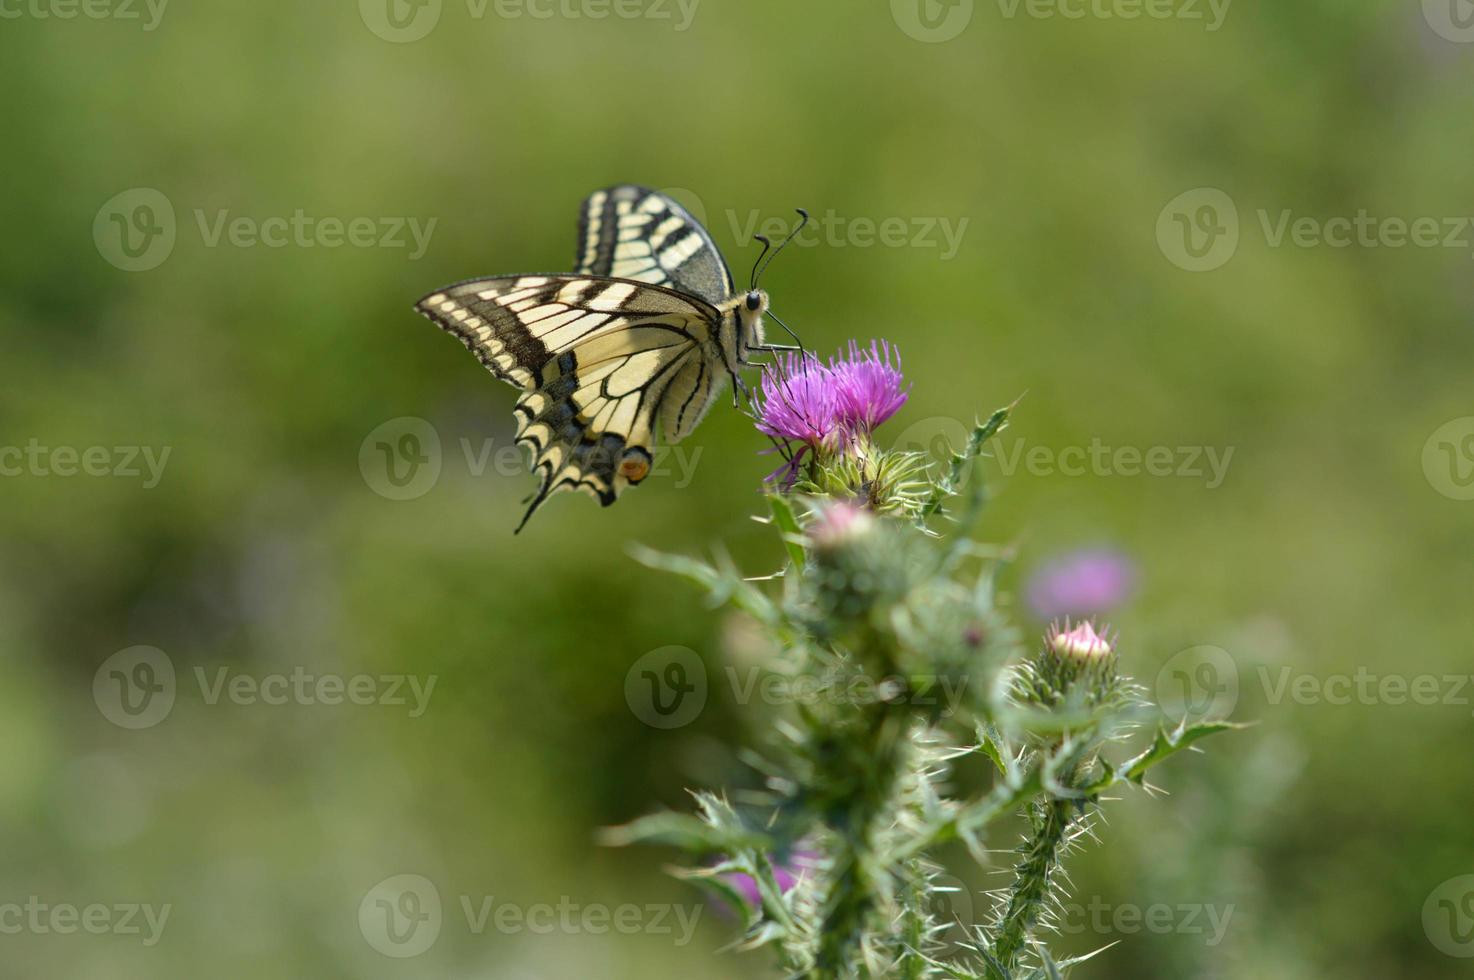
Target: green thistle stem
913	926
1041	856
852	890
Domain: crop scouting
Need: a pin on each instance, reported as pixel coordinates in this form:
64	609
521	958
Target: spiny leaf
787	524
682	830
1169	743
723	581
957	466
991	744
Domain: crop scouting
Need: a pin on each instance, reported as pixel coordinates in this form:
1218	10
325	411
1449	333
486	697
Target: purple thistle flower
798	401
804	400
869	385
1081	583
787	873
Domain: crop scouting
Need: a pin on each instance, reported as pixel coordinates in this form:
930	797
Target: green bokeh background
264	548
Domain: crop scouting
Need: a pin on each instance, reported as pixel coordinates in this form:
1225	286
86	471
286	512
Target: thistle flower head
801	399
1081	583
798	401
869	385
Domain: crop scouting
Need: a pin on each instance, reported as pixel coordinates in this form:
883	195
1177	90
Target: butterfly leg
739	389
784	349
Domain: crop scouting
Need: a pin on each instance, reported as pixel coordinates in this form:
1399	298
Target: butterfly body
635	344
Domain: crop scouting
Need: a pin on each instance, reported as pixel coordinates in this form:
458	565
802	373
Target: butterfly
641	337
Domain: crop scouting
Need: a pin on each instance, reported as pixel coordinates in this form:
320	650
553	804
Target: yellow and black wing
600	361
632	232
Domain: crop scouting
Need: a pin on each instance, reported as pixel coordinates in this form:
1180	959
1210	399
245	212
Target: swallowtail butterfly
642	335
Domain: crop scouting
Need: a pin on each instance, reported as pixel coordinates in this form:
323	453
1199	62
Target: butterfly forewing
631	232
600	362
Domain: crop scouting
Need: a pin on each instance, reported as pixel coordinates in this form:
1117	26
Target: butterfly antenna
757	273
767	244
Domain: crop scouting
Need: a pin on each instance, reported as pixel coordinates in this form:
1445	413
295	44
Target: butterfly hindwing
601	362
631	232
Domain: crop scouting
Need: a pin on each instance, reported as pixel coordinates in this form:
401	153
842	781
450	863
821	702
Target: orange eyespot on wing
634	465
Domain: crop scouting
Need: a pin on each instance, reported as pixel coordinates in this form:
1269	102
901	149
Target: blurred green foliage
263	548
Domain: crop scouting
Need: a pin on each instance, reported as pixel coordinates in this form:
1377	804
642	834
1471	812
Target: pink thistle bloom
788	873
1081	583
801	399
798	401
869	385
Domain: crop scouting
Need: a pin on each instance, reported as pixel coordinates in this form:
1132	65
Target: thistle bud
860	565
1081	643
1077	664
839	524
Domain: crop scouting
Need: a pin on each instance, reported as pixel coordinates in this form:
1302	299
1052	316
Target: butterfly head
752	307
750	312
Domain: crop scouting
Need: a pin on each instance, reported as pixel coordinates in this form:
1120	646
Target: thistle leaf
1169	743
787	524
957	466
685	831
